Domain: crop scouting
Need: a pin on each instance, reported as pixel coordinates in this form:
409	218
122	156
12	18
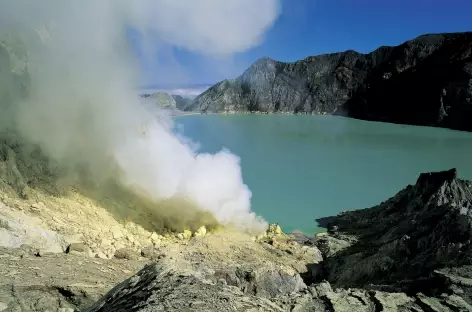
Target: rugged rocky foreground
424	81
401	242
410	253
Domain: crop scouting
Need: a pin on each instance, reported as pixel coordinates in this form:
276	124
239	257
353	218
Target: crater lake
299	168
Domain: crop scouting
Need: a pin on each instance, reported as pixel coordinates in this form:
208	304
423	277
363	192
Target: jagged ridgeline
26	172
423	81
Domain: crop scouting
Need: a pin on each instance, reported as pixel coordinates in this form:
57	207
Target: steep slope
317	84
424	81
401	242
427	81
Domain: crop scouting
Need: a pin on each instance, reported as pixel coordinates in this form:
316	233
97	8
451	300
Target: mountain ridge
429	76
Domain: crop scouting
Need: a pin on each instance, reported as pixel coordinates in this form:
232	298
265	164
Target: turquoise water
303	167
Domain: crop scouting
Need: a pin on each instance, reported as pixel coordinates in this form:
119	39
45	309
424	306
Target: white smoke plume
83	106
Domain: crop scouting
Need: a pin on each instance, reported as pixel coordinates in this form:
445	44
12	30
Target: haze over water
303	167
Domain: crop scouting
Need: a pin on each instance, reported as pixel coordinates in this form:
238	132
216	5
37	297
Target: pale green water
302	167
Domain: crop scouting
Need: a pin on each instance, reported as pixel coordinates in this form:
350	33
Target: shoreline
183	115
242	113
266	113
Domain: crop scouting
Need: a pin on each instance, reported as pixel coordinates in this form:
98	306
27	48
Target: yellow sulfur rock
200	232
187	234
274	229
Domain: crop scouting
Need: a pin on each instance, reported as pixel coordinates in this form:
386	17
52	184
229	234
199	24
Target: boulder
78	248
166	286
265	282
151	253
126	253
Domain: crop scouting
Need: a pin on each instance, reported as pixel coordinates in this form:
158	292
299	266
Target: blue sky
311	27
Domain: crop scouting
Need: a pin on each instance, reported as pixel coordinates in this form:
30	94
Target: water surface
303	167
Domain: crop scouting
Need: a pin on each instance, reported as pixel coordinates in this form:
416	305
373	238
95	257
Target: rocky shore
410	253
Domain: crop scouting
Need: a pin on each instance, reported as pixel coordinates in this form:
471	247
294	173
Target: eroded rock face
402	241
164	286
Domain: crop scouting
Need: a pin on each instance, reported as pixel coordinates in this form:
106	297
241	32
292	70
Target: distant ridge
189	91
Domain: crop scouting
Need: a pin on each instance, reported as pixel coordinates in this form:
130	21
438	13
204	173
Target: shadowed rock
166	286
401	242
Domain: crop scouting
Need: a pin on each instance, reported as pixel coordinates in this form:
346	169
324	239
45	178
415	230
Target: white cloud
208	26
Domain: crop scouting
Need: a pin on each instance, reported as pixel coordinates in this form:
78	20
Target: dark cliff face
425	81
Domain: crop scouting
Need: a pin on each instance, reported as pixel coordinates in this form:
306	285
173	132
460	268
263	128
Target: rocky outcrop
408	243
424	81
162	99
164	286
180	289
